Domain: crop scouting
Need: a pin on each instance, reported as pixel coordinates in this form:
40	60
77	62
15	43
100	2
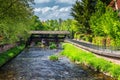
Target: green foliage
105	22
53	25
69	25
53	58
53	46
97	41
107	2
95	19
115	70
6	56
88	58
15	16
81	11
61	25
36	24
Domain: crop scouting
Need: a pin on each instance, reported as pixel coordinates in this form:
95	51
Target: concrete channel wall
95	49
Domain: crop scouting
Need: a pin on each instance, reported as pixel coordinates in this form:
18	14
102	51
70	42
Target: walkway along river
34	64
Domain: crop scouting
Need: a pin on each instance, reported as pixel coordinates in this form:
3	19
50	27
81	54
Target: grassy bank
8	55
78	55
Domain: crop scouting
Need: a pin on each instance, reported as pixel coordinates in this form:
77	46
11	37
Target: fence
102	50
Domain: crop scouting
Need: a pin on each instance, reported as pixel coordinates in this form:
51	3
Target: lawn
84	57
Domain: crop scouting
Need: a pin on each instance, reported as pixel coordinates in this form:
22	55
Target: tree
69	25
15	16
95	19
106	2
52	25
107	24
81	11
36	24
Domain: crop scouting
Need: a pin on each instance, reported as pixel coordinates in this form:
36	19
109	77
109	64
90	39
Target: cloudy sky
53	9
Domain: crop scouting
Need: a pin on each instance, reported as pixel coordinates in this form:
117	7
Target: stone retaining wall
6	47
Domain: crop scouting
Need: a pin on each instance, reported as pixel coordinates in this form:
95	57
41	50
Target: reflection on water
34	64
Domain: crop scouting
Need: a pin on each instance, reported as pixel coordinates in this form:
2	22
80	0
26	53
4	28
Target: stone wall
6	47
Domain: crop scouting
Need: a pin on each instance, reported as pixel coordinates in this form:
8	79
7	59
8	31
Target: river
34	64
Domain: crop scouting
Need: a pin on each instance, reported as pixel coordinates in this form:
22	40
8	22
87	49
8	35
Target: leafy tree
15	16
95	19
69	25
36	24
81	11
107	2
52	25
106	24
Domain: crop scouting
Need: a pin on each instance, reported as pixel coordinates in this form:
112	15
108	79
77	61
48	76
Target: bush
53	58
53	46
38	44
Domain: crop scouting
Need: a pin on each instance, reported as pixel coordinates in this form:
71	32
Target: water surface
34	64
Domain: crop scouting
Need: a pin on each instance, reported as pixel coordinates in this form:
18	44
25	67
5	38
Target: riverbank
9	54
99	64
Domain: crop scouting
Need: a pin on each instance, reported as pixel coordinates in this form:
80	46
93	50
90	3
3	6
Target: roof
112	4
49	32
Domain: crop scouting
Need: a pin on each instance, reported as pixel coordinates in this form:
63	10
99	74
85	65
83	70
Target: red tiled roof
112	4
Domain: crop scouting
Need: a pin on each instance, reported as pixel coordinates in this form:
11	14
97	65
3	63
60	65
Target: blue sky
53	9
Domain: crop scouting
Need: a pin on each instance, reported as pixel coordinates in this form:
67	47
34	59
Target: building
115	4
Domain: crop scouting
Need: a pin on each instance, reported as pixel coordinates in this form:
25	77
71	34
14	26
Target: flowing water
34	64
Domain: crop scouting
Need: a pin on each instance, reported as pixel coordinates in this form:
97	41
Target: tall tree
81	11
107	2
36	24
105	23
52	24
15	16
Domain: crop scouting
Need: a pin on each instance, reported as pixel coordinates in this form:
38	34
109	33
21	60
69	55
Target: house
115	4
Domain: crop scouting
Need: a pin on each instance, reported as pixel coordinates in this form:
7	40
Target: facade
115	4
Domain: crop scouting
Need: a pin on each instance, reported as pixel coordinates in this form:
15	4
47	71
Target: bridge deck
49	32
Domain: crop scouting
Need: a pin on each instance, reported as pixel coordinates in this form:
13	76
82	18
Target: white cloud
42	1
65	9
54	12
66	1
46	9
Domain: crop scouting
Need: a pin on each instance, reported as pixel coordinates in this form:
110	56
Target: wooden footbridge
47	36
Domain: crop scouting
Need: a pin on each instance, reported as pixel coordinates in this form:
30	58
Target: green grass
6	56
76	54
53	57
53	46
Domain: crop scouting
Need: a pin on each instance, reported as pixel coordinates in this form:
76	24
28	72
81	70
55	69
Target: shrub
53	46
38	43
53	58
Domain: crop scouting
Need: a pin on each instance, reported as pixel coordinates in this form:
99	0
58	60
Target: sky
53	9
